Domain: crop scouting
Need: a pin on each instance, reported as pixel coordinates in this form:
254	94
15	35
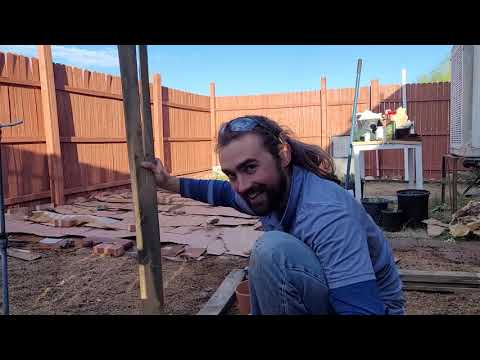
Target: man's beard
275	196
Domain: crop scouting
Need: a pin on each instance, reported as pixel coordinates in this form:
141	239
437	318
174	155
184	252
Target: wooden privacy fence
316	116
88	149
73	138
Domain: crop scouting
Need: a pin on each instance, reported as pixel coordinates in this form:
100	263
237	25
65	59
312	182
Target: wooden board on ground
441	277
440	281
224	296
23	254
437	288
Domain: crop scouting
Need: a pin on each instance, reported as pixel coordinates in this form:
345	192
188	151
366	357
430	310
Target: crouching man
321	252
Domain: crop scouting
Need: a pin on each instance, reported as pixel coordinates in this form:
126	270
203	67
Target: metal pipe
354	115
3	245
3	233
6	305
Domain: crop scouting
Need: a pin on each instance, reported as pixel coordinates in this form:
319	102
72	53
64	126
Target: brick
115	250
126	244
83	242
100	249
65	222
132	227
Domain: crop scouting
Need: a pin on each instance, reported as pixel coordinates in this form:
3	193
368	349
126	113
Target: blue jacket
358	262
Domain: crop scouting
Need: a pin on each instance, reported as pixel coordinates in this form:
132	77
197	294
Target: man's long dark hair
310	157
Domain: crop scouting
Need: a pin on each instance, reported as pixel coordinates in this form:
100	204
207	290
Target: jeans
286	278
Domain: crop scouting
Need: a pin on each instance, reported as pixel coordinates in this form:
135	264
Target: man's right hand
162	177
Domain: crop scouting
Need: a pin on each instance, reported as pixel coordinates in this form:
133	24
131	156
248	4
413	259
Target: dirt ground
73	281
423	253
390	188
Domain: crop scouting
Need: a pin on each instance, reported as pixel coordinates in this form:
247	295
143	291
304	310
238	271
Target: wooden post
374	96
213	126
323	102
145	107
454	185
158	117
51	124
142	180
444	172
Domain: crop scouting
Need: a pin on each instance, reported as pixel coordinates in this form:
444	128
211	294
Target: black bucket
374	207
392	220
414	204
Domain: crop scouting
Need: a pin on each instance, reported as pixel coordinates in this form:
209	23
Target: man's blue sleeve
340	242
357	299
213	192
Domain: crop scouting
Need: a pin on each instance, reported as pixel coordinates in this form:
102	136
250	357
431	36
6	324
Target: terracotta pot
243	297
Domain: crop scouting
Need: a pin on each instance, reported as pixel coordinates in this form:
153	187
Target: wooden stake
142	181
146	119
51	125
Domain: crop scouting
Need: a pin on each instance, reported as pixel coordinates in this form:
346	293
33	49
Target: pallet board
440	281
224	296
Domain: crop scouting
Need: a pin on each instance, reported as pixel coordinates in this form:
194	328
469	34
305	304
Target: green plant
440	210
440	74
450	240
217	174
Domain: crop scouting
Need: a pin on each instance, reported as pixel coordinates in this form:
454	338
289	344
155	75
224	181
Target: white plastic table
412	150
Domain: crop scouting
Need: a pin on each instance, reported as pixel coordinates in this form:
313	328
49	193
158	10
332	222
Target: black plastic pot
402	133
414	204
374	207
392	220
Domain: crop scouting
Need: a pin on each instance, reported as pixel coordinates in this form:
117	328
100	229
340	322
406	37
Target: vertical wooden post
158	117
323	102
51	124
213	126
374	96
454	182
444	172
142	180
375	107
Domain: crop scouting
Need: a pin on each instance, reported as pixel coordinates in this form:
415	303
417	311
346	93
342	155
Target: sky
259	69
